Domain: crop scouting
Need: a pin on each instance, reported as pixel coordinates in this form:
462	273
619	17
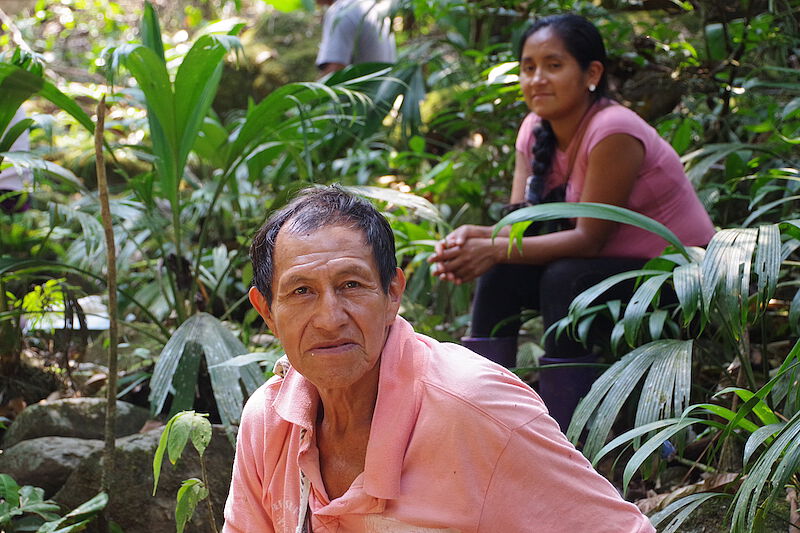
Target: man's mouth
332	347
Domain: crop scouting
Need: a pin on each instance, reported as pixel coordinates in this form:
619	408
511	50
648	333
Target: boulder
132	504
46	462
82	418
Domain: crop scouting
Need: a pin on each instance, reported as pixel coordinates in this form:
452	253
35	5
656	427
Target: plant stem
208	498
111	257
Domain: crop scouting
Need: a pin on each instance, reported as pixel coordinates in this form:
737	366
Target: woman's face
552	81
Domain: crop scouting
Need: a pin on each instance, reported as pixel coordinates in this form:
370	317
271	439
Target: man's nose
330	314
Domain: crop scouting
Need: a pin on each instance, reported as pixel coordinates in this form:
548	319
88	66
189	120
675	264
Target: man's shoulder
468	382
260	402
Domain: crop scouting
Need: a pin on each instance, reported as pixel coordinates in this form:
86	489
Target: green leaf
77	519
760	409
158	458
726	277
556	210
150	73
196	85
151	31
667	365
759	437
218	345
179	435
9	490
687	281
773	468
201	433
638	305
687	505
191	492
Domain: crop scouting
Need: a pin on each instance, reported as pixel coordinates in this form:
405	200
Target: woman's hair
585	44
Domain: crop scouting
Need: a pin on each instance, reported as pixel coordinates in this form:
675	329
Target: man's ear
396	289
259	302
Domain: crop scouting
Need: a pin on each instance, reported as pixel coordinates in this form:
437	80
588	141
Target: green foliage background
215	118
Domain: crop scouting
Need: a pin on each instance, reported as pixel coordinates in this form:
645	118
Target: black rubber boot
501	350
562	388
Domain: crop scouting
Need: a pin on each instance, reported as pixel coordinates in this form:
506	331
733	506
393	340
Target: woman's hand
458	238
463	259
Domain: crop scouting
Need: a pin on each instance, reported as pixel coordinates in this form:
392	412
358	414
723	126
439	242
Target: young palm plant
722	292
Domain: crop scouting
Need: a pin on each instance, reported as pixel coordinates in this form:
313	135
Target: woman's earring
592	87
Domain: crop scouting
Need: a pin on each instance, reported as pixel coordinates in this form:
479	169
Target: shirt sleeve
244	509
541	479
339	32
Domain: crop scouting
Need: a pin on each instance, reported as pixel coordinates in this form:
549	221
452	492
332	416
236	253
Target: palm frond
218	345
666	365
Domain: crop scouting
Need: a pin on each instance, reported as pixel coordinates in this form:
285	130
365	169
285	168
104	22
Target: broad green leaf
556	210
179	435
219	345
9	490
151	74
151	31
191	492
647	448
196	85
637	432
158	457
767	263
708	156
13	133
201	433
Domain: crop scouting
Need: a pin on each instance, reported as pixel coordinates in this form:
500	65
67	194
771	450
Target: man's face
328	308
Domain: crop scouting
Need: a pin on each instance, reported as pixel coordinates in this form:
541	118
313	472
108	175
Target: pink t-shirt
661	191
457	444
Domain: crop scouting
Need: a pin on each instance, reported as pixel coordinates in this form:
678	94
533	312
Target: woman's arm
613	167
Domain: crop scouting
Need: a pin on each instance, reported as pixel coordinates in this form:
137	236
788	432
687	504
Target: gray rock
75	417
46	462
132	504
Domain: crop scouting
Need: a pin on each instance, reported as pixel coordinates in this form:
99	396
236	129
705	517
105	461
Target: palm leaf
774	467
687	282
557	210
610	391
419	205
218	345
767	263
726	277
640	302
686	506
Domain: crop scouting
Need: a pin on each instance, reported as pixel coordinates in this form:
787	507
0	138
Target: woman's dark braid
543	151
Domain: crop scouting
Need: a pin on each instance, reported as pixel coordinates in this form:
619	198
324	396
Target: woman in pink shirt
576	145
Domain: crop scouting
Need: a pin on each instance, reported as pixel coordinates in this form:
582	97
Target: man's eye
351	284
301	290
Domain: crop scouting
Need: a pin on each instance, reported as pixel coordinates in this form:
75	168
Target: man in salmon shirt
376	428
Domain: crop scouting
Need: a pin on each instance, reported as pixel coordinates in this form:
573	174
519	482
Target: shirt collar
395	409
